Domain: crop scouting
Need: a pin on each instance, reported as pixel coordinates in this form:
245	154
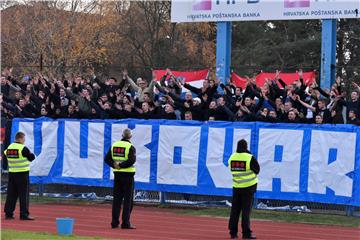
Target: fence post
162	197
349	210
41	189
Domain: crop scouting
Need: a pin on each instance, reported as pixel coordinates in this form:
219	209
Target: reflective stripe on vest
242	175
120	153
245	180
16	161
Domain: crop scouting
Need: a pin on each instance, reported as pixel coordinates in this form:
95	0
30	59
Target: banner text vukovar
319	163
255	10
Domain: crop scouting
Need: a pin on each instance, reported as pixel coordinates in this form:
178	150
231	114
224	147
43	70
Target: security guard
244	169
18	157
121	157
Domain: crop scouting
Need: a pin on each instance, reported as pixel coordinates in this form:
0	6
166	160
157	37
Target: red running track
161	224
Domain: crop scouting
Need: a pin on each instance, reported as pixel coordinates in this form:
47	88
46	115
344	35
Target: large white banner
298	162
254	10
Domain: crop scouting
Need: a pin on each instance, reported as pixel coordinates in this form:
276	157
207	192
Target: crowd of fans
79	97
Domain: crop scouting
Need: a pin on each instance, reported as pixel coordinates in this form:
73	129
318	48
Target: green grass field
17	235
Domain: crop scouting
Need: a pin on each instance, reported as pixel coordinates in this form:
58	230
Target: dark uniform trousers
242	201
123	190
18	187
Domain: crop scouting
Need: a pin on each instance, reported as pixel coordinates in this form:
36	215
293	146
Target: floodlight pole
328	53
223	51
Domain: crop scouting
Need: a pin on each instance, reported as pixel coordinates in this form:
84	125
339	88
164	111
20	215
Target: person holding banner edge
122	157
244	169
18	157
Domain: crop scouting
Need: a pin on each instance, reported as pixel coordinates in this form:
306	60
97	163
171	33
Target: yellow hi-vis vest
120	152
16	161
242	175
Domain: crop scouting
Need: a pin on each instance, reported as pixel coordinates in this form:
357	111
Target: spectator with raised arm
171	83
36	95
320	109
353	103
140	87
84	101
206	89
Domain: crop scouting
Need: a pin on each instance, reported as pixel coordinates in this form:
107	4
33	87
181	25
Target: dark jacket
210	91
351	105
355	121
326	114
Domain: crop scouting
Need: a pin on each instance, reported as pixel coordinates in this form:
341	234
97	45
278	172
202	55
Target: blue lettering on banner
320	164
177	155
278	153
332	155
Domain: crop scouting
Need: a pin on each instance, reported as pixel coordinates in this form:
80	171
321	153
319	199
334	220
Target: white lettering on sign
324	172
187	141
286	166
49	148
74	165
219	172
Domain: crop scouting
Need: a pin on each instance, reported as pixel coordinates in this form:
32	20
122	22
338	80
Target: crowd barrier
312	163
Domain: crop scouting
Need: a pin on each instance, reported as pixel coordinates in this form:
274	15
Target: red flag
238	81
2	135
188	76
288	78
194	78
